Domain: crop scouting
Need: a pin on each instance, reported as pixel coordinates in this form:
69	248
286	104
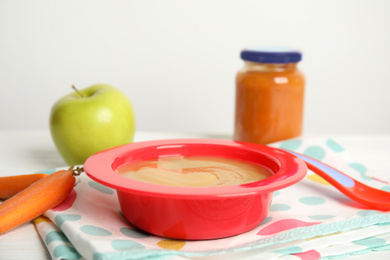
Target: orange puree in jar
269	96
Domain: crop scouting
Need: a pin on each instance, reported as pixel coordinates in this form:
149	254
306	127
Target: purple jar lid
271	55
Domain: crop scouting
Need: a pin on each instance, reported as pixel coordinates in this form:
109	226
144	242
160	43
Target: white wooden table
23	152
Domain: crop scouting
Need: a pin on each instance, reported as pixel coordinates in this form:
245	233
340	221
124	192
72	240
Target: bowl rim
291	170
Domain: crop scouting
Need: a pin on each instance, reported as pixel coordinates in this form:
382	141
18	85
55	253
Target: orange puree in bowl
194	171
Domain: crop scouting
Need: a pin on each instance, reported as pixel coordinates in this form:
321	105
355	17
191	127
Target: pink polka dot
283	225
67	203
309	255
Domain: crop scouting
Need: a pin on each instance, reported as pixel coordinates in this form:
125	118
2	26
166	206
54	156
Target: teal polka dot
335	147
293	144
98	256
316	152
126	245
386	188
135	233
320	217
361	169
61	218
289	250
370	242
265	221
55	236
66	252
279	207
276	193
100	187
312	200
95	231
50	171
365	213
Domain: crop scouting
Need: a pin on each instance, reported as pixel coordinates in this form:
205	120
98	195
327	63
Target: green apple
90	120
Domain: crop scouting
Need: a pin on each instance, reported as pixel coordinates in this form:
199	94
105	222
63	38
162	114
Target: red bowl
195	212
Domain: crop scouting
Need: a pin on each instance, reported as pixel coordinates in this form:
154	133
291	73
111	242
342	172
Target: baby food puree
269	96
194	171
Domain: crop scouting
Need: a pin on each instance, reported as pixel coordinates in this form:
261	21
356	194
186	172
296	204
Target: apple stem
77	91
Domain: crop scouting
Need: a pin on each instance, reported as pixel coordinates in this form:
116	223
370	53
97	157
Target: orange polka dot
316	178
171	244
41	219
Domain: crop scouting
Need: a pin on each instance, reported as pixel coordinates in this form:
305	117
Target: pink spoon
357	191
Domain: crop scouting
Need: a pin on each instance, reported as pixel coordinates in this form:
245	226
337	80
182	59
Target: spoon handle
353	189
327	172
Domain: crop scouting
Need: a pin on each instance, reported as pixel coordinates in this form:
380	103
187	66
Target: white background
176	59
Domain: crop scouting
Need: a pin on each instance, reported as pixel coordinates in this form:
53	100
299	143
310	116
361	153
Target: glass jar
269	96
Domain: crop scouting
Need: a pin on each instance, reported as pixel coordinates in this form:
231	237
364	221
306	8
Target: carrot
36	199
11	185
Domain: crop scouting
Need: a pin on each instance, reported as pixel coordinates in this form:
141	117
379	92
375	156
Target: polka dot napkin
309	220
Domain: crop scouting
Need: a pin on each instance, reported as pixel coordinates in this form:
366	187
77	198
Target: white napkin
309	220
